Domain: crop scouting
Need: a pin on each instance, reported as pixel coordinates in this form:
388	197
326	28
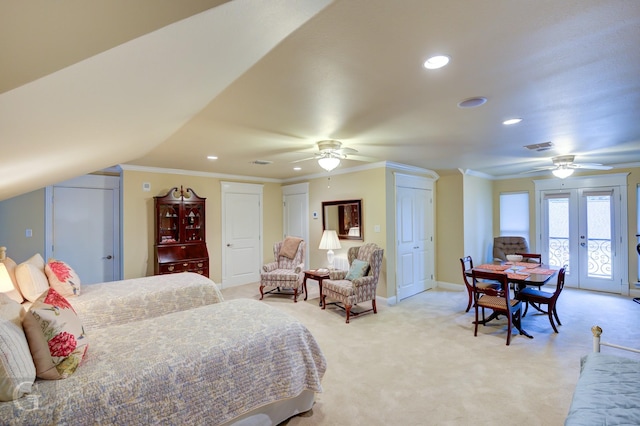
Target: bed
120	302
608	389
238	361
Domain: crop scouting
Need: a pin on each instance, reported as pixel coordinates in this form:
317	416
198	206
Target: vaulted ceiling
161	83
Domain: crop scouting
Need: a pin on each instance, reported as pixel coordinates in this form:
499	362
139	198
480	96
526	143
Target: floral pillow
62	278
358	269
56	337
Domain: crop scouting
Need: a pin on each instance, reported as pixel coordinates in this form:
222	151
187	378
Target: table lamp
6	284
329	242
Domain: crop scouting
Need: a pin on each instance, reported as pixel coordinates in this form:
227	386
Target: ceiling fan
563	166
329	154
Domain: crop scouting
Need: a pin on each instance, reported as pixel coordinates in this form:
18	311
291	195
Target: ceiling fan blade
590	166
304	159
347	151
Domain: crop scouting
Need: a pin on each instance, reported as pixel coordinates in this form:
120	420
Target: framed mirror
345	217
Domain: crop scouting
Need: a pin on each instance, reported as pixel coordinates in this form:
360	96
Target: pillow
358	269
62	278
13	293
56	337
17	371
31	278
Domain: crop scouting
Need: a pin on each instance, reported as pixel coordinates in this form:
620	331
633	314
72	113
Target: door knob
108	257
582	244
228	245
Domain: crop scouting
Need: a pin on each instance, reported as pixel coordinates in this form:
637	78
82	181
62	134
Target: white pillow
17	370
31	278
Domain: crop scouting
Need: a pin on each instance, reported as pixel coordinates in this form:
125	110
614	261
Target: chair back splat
499	301
538	299
467	264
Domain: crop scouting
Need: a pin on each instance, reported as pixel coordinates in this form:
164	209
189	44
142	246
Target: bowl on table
514	257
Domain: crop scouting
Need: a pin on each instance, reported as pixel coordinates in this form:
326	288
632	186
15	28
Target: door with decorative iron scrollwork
580	231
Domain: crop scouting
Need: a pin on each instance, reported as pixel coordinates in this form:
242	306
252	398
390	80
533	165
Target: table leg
320	286
304	287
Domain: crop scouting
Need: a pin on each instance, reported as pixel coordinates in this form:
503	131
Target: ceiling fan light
562	172
328	163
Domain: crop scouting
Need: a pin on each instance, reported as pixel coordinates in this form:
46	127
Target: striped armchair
351	292
284	272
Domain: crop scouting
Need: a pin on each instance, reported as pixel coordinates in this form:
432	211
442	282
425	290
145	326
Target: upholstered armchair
287	269
359	283
502	246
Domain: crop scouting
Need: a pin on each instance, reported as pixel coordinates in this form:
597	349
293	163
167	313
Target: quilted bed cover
206	365
120	302
607	393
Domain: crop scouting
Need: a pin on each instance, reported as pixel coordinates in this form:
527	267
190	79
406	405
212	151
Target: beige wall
137	223
449	228
478	215
631	217
368	185
16	216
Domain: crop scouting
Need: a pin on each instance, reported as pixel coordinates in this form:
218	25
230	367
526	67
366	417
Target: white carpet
418	363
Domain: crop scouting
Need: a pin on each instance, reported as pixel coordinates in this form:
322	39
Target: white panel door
414	232
242	233
84	227
295	199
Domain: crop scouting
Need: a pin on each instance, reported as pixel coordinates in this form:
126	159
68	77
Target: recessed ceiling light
511	121
473	102
297	168
435	62
212	157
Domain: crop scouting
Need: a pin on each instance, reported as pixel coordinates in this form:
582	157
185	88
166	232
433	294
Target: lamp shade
6	285
328	163
329	240
562	172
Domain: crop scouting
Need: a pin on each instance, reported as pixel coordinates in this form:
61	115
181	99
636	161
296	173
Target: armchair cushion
358	269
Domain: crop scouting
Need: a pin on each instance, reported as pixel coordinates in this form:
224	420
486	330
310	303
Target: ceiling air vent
261	162
544	146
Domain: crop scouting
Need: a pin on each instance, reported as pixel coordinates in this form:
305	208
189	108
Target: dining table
520	274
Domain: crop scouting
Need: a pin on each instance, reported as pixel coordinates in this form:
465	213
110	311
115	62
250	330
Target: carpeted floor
418	363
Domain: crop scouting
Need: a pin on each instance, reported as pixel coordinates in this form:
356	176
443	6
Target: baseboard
450	286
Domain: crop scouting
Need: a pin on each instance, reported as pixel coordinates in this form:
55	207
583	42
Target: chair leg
555	314
508	329
470	300
261	293
526	308
323	298
295	295
348	309
475	331
373	304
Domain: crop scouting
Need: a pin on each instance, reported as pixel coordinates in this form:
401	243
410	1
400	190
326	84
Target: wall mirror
345	217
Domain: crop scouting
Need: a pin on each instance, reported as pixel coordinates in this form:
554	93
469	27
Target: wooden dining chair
467	265
531	257
499	301
537	298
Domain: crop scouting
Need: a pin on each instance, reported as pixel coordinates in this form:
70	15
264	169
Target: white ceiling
250	80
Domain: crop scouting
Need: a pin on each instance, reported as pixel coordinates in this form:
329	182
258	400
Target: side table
315	274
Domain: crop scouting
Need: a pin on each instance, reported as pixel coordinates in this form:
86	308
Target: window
514	214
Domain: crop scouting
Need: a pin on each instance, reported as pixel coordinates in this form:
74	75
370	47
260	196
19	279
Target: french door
581	229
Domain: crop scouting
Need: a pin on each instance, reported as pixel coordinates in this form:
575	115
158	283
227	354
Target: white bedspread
607	393
202	366
119	302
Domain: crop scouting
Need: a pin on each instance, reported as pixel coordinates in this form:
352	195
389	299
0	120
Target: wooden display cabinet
180	237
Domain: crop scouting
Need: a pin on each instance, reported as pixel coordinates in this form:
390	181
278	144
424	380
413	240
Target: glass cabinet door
194	223
168	218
